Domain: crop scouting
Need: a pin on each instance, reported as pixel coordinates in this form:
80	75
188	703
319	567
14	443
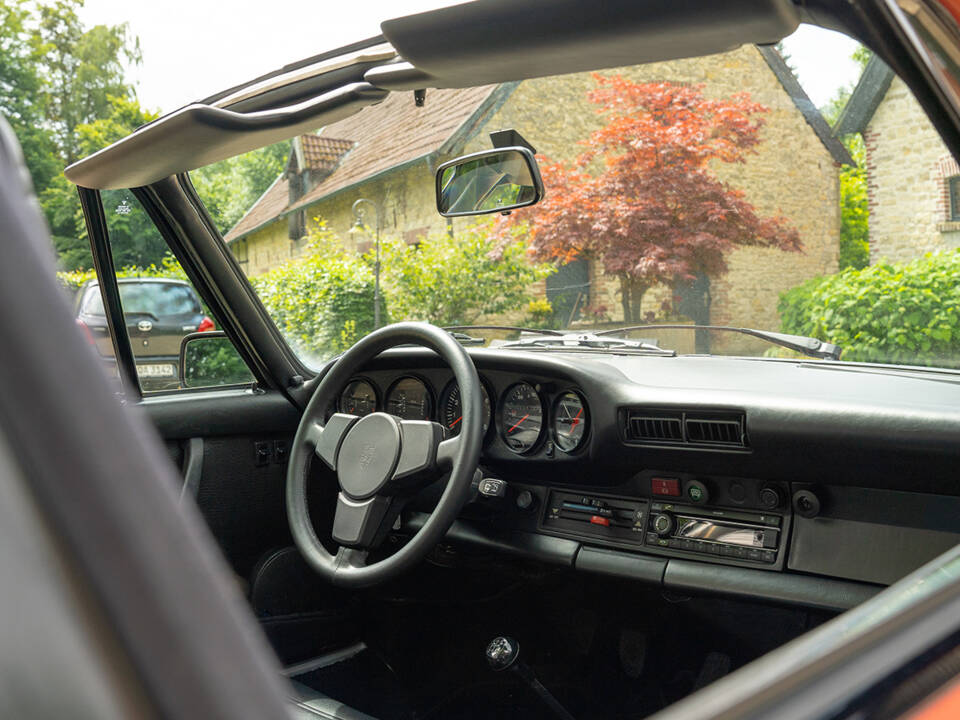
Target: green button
695	493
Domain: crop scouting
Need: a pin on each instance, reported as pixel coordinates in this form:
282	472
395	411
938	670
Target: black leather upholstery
308	704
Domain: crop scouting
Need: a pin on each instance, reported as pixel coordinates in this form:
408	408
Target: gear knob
502	652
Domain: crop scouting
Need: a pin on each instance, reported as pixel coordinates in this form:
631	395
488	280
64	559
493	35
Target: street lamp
358	213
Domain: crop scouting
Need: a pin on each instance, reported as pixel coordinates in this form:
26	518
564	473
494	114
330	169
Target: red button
665	486
597	520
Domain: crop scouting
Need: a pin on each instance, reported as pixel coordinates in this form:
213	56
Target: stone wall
907	170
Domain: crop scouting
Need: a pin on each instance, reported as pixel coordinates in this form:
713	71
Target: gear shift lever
503	653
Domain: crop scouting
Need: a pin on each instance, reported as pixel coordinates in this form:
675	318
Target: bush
906	313
168	268
456	279
323	301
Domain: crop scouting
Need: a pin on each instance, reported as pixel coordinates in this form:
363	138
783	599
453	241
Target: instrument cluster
524	416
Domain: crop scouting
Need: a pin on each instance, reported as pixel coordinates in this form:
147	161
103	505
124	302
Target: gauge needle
514	426
453	424
576	419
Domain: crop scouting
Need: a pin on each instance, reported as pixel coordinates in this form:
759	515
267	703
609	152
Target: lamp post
358	213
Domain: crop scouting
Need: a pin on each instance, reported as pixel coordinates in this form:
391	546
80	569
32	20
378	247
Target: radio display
698	529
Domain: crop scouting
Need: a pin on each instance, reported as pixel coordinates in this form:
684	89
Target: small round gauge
569	421
453	412
521	417
358	398
409	399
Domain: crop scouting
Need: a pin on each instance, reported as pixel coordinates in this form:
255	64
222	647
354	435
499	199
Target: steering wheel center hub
369	455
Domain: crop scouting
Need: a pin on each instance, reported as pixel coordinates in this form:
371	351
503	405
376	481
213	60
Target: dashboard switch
492	487
665	486
598	520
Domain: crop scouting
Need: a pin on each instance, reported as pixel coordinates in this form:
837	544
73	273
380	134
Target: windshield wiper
591	341
811	347
456	328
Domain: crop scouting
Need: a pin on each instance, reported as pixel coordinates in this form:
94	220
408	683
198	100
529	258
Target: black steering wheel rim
460	454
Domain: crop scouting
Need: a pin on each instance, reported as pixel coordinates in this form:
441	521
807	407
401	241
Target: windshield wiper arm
587	340
456	328
811	347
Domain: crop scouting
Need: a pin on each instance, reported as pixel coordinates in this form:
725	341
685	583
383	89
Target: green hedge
323	301
904	313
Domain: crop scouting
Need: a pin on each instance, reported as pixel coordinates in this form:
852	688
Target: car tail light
206	324
86	331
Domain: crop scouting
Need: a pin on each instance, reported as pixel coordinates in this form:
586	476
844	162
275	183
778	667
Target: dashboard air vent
648	427
686	428
717	430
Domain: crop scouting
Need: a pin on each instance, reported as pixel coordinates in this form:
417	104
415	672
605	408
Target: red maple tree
642	197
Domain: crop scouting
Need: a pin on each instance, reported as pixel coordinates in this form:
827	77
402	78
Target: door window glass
160	305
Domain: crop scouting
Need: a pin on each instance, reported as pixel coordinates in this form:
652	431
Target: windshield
152	298
796	189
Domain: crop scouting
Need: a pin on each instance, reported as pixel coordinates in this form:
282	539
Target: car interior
593	535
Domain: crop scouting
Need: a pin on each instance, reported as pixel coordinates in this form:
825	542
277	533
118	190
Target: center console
721	520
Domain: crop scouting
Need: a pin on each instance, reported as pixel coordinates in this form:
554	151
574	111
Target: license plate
157	370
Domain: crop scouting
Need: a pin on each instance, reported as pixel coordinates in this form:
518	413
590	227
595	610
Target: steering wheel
381	461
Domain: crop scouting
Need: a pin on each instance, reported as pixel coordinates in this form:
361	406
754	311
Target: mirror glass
212	360
492	181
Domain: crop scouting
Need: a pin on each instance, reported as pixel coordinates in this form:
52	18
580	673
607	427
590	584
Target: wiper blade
586	340
455	328
811	347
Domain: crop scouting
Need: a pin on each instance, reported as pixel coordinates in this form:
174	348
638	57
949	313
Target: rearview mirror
490	181
209	359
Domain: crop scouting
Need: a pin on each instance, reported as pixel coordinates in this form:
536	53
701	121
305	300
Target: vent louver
686	428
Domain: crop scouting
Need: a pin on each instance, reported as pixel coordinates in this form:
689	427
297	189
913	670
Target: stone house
388	153
913	182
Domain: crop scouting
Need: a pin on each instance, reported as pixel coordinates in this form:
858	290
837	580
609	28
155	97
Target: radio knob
770	498
663	524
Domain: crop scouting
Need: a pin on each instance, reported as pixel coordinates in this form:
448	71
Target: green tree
133	236
21	101
231	187
82	70
449	280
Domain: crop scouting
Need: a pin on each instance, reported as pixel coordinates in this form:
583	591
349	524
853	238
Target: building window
953	185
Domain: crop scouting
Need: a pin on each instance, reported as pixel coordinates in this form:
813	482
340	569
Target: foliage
62	89
642	196
854	210
891	313
322	301
231	187
168	268
539	314
449	280
214	361
81	70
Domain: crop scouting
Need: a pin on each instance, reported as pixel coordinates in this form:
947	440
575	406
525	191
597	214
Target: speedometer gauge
452	409
521	417
569	421
410	399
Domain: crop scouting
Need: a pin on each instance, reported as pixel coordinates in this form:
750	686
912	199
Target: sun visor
199	135
493	41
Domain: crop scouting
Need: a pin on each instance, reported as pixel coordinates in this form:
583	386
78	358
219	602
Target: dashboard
812	483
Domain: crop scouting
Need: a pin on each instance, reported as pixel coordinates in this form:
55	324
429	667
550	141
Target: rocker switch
492	488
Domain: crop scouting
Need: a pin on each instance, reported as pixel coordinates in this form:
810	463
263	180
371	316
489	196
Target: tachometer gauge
569	421
453	411
521	418
409	399
358	398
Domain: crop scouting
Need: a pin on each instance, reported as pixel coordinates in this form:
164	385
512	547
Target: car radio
709	533
721	533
